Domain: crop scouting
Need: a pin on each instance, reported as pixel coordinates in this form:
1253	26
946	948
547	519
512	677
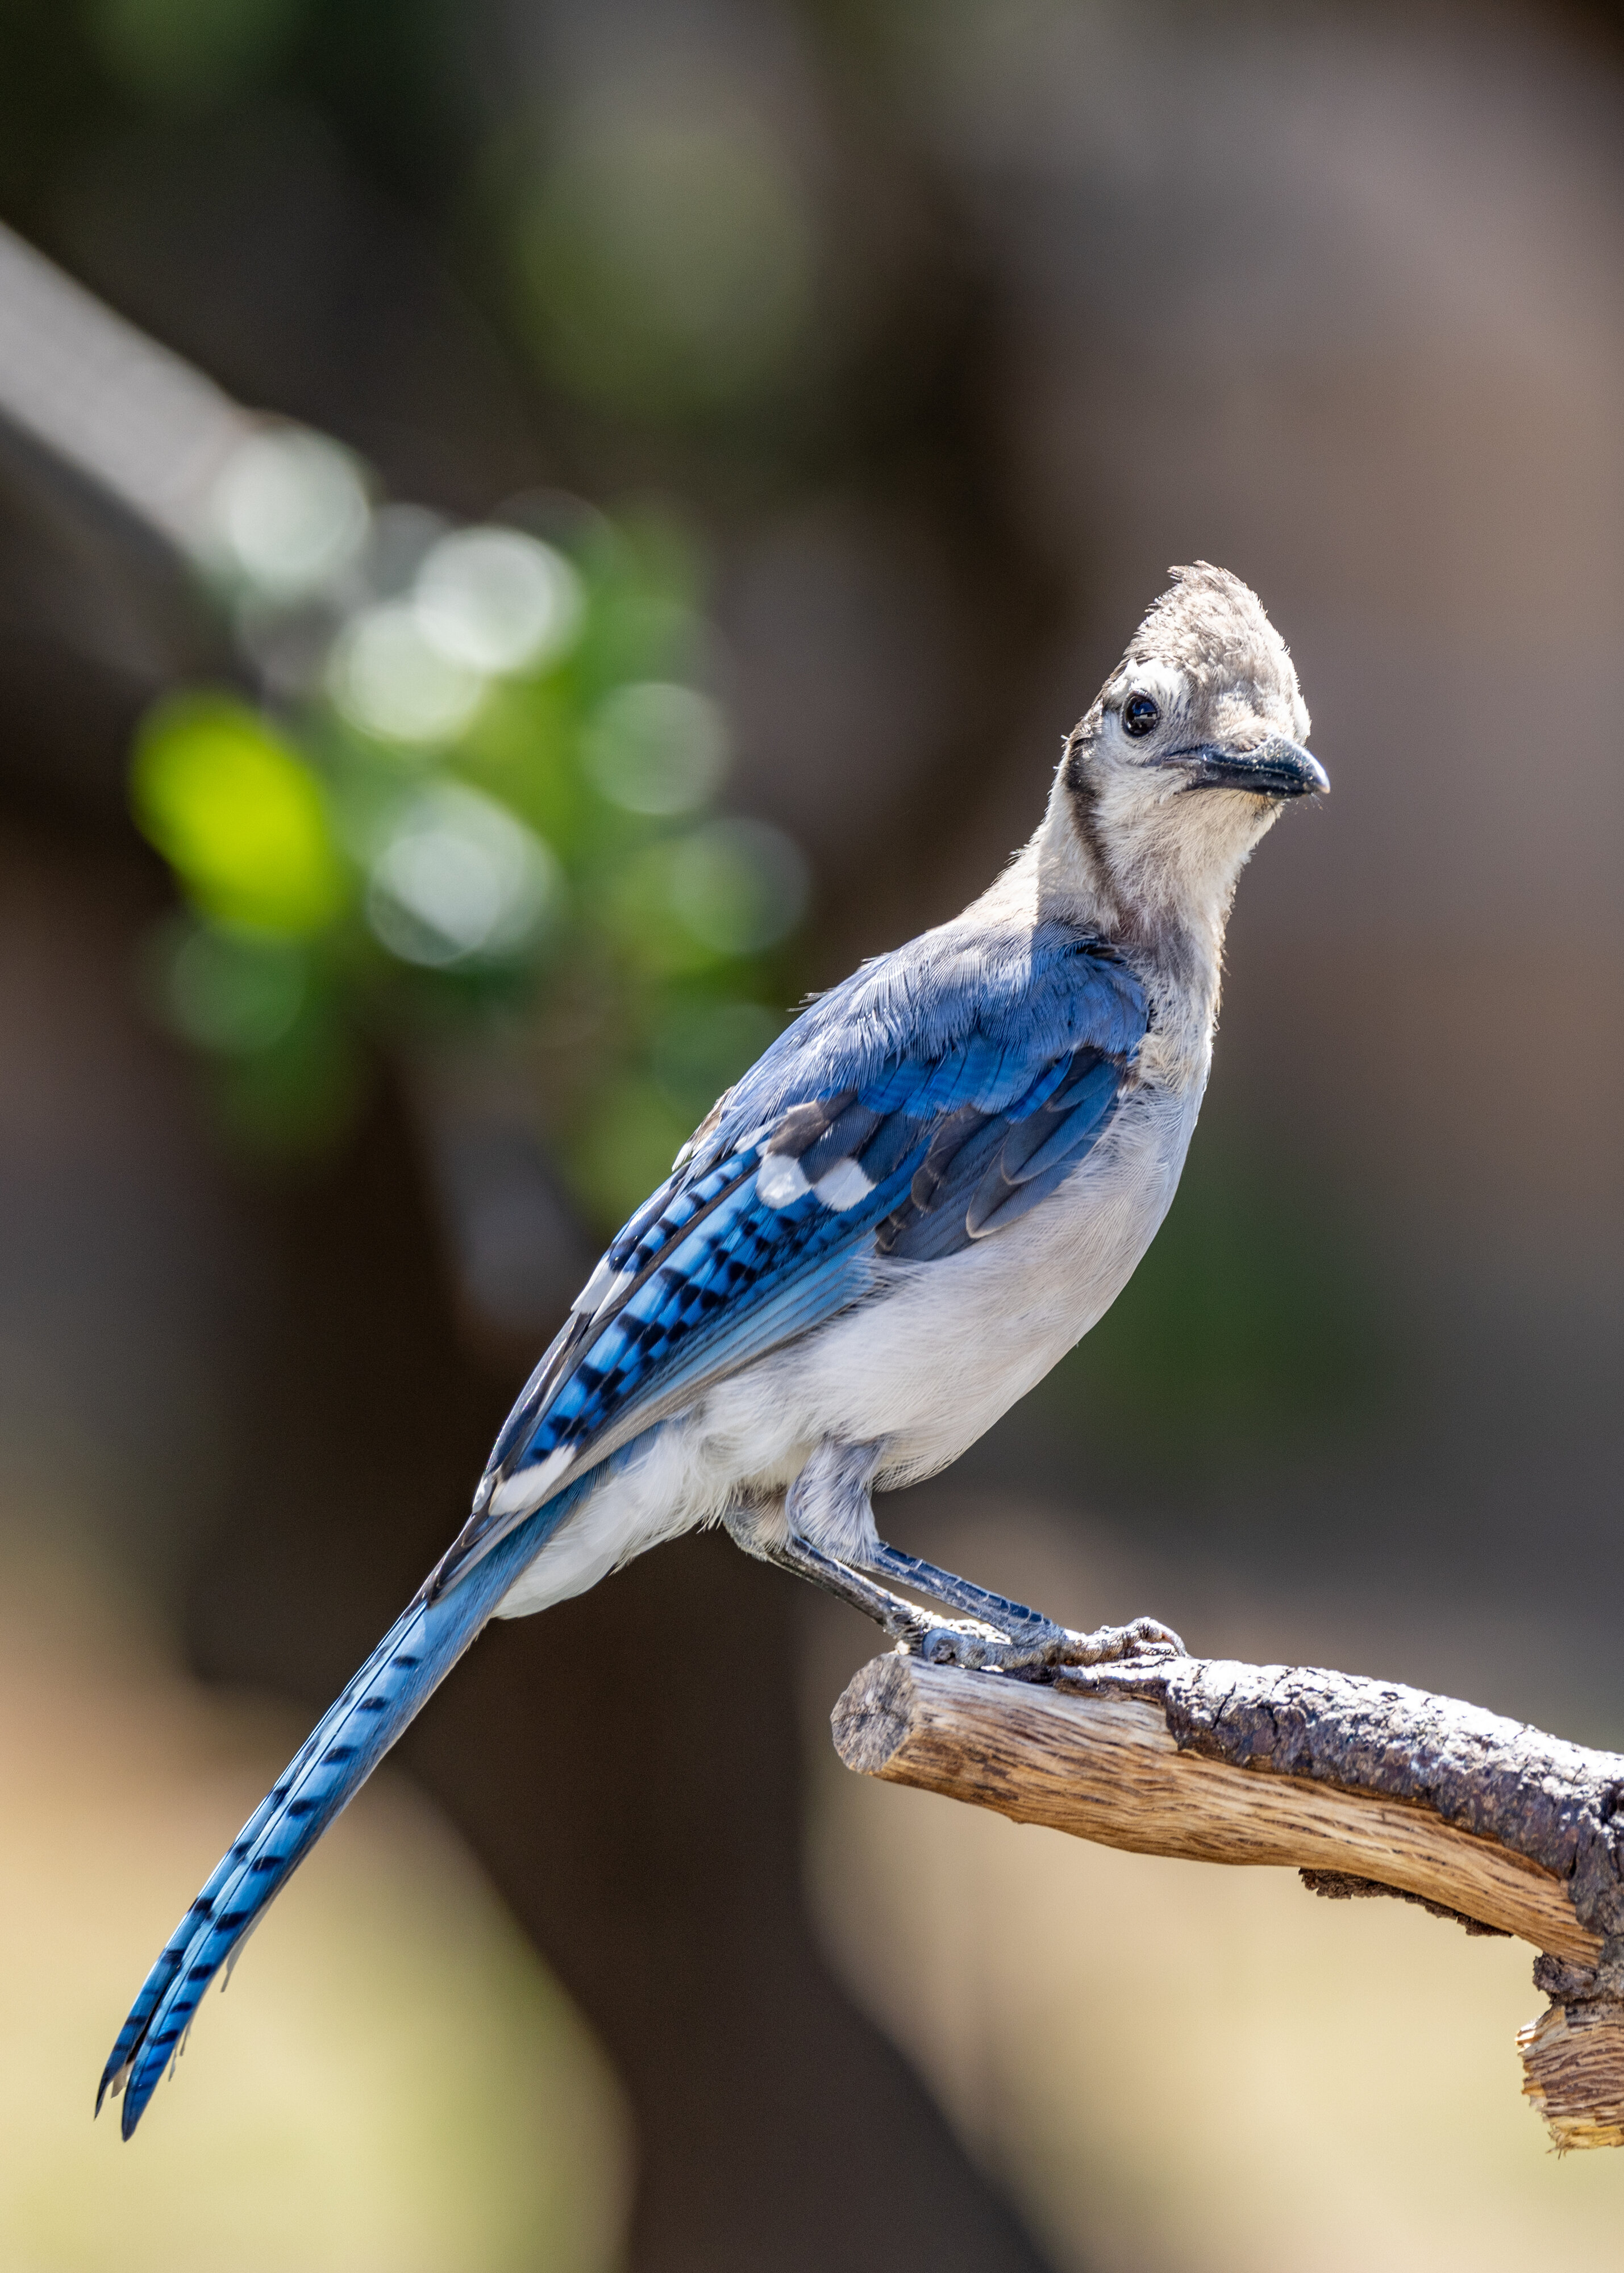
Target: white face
1178	772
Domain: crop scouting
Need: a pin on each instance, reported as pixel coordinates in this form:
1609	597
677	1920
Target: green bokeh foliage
324	872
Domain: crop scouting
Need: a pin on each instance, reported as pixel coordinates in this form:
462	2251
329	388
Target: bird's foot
1140	1638
1033	1653
950	1641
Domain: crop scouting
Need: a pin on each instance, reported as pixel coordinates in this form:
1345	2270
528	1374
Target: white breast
928	1363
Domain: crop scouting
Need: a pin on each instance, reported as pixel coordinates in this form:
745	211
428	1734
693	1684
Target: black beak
1276	768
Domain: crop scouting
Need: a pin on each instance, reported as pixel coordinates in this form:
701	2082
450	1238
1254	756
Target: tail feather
326	1772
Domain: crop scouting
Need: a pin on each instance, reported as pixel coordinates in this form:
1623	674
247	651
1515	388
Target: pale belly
928	1364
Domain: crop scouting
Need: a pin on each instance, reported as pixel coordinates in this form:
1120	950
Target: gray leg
824	1531
1033	1641
1010	1618
830	1503
764	1534
900	1619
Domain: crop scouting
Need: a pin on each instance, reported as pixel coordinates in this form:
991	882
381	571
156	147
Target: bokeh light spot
494	600
289	513
656	748
234	991
457	878
740	886
389	681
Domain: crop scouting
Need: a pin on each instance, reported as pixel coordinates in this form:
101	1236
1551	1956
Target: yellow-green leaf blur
239	816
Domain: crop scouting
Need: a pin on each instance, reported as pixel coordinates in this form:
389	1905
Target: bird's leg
1012	1619
900	1619
1033	1641
762	1531
824	1531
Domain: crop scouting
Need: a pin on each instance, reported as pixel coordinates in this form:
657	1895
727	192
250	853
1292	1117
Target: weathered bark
1364	1786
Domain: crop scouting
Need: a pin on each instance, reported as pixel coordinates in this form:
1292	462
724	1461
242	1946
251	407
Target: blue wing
931	1100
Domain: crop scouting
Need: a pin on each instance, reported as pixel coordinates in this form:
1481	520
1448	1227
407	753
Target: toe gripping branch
1038	1655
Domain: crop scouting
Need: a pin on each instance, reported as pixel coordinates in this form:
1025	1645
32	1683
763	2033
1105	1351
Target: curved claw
1140	1638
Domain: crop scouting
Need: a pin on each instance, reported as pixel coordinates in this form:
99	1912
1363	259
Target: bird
927	1189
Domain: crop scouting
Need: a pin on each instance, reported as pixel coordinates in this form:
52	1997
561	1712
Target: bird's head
1195	742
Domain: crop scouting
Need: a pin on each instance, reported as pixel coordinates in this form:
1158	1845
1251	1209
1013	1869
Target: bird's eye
1139	713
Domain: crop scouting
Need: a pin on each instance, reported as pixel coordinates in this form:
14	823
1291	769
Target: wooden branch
1366	1786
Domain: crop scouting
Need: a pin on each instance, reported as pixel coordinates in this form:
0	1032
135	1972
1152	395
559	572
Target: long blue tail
329	1768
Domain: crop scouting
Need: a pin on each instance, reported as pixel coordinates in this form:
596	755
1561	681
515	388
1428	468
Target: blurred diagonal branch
1367	1787
111	405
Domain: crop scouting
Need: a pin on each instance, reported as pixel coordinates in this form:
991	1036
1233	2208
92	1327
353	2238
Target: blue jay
931	1185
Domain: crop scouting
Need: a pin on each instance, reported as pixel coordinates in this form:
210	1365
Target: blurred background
602	518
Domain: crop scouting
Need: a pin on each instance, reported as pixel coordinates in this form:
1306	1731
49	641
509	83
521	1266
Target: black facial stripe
1085	809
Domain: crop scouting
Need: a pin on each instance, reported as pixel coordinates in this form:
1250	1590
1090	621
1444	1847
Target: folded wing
925	1105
